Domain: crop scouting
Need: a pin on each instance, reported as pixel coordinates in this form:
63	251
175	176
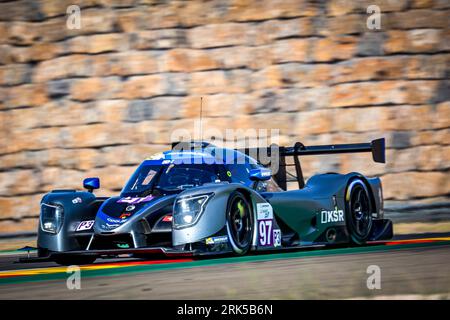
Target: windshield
171	177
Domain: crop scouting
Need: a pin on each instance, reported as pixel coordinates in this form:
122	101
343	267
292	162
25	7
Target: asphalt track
415	267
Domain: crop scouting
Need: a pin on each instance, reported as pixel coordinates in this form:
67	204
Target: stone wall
96	101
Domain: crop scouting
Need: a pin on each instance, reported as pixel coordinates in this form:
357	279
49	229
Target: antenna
201	118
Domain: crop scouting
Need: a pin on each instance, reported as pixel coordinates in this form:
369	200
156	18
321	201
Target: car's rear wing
376	147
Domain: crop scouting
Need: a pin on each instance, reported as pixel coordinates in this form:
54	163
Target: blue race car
198	199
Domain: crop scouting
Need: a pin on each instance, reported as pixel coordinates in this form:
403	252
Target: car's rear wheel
358	212
239	223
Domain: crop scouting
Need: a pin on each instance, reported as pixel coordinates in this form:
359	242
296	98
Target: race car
199	199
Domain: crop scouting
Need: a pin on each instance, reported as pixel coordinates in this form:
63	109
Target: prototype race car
193	200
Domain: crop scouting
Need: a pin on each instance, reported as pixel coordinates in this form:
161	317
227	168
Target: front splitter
169	252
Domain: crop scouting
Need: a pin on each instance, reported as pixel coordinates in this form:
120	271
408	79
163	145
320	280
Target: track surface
419	266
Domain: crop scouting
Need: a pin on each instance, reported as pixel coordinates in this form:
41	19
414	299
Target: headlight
51	218
187	210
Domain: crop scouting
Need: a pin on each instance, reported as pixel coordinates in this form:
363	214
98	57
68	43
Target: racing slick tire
240	223
358	211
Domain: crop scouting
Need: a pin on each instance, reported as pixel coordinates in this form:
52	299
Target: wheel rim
240	222
360	211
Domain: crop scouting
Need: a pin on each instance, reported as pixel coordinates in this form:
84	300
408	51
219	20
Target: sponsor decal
77	200
217	240
124	215
110	226
331	216
135	200
264	211
167	218
130	207
85	225
113	220
266	174
277	238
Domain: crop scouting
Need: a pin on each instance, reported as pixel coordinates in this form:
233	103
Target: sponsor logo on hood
112	220
116	218
124	215
135	200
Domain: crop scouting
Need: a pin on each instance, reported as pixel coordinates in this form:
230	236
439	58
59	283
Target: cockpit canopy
173	171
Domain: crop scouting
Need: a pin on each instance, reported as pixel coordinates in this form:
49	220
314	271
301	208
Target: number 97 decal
265	232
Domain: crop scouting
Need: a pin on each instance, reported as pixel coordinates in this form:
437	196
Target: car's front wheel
239	223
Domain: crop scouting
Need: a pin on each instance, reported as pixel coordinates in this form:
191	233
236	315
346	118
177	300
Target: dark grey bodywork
299	210
299	216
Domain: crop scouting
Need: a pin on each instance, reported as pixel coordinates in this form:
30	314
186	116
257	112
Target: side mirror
260	174
91	183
